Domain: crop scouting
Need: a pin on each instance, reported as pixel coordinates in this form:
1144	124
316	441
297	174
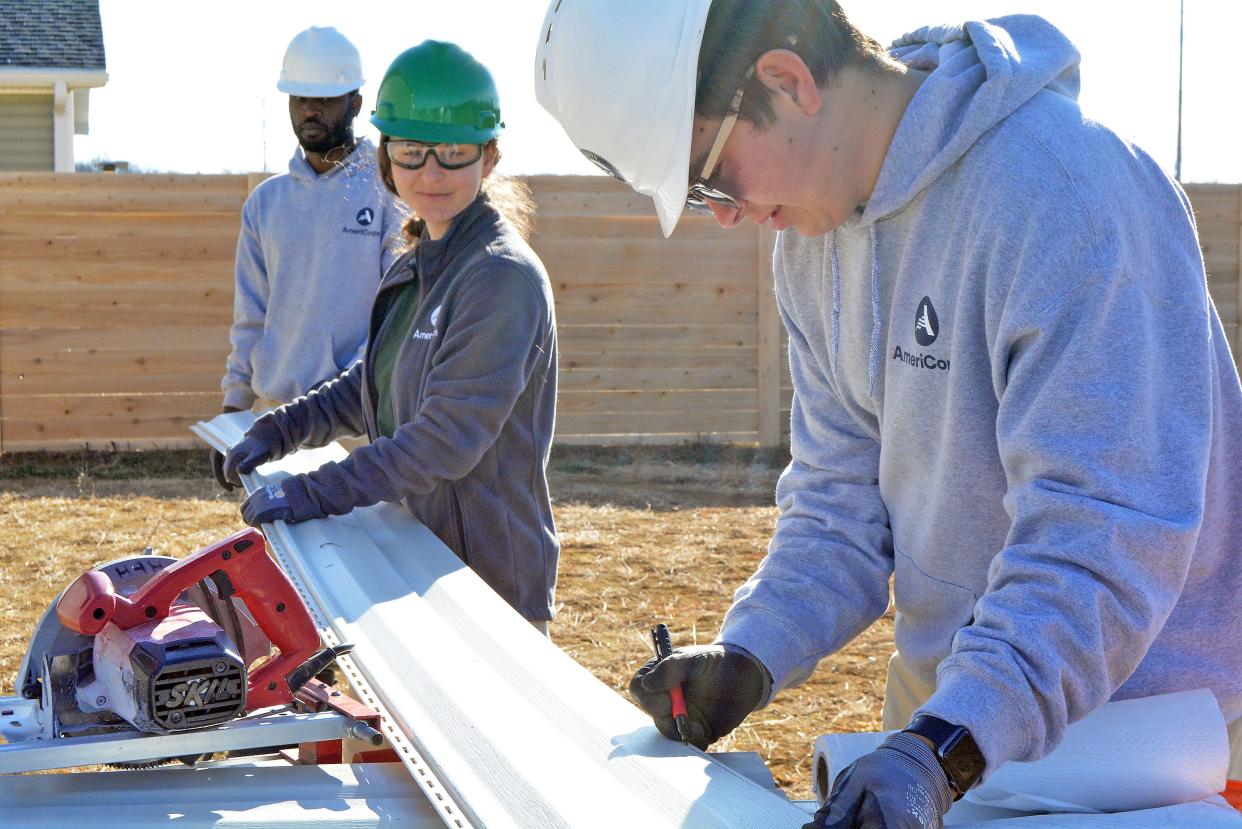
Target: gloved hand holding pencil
722	685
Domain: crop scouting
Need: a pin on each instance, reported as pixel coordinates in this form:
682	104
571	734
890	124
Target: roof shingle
51	34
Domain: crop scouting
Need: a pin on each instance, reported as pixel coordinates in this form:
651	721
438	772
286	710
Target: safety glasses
412	155
702	192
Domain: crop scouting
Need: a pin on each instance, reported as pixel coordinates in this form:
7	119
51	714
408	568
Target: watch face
963	761
956	750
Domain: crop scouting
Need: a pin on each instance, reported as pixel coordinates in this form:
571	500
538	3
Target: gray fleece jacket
474	397
310	256
1012	393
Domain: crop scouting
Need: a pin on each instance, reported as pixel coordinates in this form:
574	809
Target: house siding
26	136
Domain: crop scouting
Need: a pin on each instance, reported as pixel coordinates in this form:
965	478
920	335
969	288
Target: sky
192	86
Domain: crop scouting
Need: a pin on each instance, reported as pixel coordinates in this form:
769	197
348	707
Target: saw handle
92	601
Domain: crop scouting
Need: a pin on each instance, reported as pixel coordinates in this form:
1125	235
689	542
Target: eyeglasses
412	155
701	191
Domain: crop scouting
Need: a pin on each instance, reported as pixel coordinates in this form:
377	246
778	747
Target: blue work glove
287	501
900	785
722	684
261	443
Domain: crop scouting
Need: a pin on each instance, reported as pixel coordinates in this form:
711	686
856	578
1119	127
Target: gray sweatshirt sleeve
1104	434
825	577
482	365
249	310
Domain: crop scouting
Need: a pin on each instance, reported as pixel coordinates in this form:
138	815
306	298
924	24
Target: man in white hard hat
1012	394
314	241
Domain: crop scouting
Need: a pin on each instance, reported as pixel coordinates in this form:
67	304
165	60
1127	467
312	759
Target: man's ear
355	104
783	72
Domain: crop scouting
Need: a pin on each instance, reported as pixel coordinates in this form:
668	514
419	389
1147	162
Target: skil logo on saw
202	691
926	330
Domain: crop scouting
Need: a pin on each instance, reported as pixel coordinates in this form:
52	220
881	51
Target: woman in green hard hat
458	387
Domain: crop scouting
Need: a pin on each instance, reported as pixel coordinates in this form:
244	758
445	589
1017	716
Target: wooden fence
116	297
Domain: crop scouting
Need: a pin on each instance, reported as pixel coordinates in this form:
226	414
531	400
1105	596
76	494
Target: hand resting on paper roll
900	785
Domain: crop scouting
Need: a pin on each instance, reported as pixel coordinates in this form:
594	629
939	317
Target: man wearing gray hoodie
1012	393
314	241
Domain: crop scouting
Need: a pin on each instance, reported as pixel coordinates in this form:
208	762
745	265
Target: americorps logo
926	330
427	335
363	217
926	323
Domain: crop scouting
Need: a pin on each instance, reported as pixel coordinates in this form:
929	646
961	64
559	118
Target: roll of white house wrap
1126	756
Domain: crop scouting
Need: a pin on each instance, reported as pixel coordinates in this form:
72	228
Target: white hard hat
320	63
621	78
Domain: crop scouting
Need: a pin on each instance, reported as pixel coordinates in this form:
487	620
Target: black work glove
287	501
262	443
900	785
217	458
722	685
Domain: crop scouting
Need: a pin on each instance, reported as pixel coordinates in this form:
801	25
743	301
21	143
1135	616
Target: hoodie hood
981	72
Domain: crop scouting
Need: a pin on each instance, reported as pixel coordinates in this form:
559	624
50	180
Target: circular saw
152	645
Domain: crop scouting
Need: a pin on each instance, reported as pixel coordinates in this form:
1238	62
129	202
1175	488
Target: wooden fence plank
655	310
205	374
656	377
661	400
20	252
177	337
56	272
585	261
655	423
673	363
113	372
120	316
33	418
152	225
644	336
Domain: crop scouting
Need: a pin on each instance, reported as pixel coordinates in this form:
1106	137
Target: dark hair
511	198
739	31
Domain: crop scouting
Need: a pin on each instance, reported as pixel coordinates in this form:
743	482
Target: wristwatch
955	750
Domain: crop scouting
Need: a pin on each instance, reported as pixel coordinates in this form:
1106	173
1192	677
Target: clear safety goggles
412	155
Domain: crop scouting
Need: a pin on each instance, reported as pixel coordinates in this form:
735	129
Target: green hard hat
438	92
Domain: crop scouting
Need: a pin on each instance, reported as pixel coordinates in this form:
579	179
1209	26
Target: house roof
65	34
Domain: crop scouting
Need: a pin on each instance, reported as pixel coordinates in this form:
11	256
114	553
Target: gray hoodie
1014	396
474	399
310	255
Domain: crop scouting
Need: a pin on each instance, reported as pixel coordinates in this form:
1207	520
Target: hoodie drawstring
836	300
873	367
873	364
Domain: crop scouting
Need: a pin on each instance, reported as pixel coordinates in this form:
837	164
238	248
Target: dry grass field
648	535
